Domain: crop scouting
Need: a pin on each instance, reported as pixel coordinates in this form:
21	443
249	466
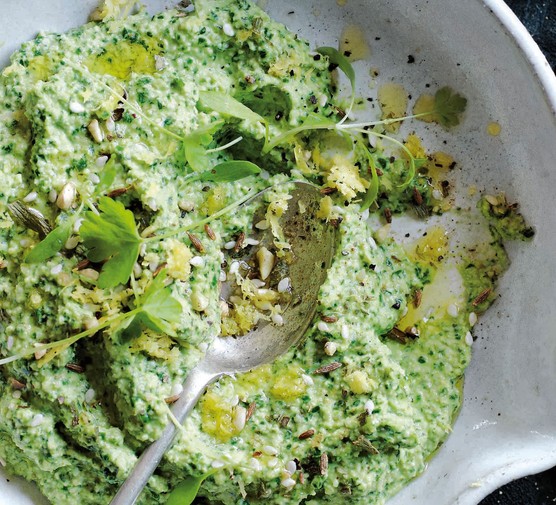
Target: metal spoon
312	244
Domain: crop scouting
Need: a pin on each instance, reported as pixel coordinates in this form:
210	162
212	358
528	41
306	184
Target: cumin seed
284	421
329	319
250	411
239	242
327	191
74	367
417	196
323	463
481	297
171	399
388	215
17	385
196	242
365	445
417	297
328	368
83	264
210	232
117	192
306	434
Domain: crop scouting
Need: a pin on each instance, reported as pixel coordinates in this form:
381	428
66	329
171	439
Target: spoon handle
193	388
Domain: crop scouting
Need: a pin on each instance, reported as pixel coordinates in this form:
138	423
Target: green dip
104	110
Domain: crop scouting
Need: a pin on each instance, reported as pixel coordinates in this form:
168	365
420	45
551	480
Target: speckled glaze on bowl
507	427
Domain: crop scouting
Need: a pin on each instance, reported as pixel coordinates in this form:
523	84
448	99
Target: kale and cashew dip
127	148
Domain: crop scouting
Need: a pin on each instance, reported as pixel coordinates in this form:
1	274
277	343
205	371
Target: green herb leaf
112	236
312	122
107	177
159	307
194	146
337	58
228	106
230	171
448	106
52	243
186	492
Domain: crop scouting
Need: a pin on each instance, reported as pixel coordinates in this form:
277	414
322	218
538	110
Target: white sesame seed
258	283
230	245
472	318
369	406
234	267
153	265
16	394
307	379
288	483
323	100
177	389
31	197
137	270
90	323
95	131
186	206
199	302
344	331
40	353
217	464
251	241
197	261
228	30
76	107
37	420
90	395
101	161
291	467
52	195
256	464
9	343
71	243
437	194
223	276
365	215
452	310
90	273
322	326
94	178
372	242
271	463
269	450
56	269
469	338
284	285
240	417
277	319
77	224
159	62
66	196
25	242
110	124
264	175
330	348
263	224
235	401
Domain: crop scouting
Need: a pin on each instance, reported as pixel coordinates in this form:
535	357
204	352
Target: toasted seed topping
329	319
328	368
250	411
306	434
417	297
330	348
172	399
210	232
417	196
117	192
17	385
365	445
95	131
266	262
196	242
74	367
323	463
481	297
66	197
239	242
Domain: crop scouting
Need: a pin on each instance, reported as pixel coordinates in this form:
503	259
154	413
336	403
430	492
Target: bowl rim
531	50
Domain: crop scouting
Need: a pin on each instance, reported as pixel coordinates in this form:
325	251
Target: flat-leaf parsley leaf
112	236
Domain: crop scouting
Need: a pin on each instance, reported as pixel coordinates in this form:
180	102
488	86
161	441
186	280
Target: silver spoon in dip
312	242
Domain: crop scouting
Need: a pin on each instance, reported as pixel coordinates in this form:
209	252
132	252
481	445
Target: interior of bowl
507	426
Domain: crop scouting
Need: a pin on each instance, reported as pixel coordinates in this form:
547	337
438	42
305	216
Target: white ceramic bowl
507	427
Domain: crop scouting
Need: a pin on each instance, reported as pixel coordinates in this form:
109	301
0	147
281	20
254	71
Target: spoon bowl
312	242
